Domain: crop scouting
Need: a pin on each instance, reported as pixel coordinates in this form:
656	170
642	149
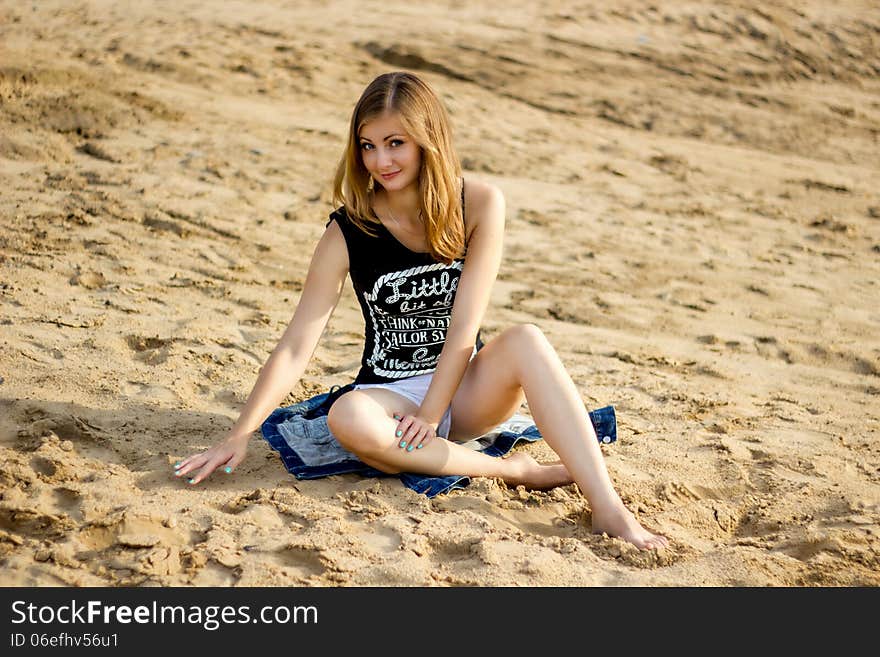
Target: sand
693	221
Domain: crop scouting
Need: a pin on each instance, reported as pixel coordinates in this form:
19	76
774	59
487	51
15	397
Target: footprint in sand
150	350
299	561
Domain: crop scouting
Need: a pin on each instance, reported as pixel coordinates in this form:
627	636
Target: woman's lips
389	176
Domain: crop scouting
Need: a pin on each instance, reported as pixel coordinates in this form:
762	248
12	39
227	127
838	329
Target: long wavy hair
425	119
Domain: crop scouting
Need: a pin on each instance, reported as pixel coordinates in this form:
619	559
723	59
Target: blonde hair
425	119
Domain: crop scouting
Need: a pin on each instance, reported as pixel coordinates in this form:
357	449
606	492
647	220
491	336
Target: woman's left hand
414	432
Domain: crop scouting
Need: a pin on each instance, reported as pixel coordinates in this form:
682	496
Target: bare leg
363	422
523	358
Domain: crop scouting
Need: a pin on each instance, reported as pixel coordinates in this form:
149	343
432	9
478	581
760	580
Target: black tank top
406	298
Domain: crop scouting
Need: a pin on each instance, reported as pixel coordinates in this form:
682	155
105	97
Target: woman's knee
524	336
521	346
353	421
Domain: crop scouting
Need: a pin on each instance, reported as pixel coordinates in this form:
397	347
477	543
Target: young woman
423	250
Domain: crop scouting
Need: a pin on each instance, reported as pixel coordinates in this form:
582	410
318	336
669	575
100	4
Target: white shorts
414	388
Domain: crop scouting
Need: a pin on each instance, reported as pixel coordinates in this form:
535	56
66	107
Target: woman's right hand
227	454
281	372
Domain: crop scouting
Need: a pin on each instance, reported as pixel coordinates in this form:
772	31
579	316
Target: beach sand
693	221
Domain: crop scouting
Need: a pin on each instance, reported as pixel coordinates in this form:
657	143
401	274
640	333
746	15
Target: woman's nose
383	158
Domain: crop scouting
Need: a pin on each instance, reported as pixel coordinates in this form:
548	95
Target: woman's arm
288	361
486	210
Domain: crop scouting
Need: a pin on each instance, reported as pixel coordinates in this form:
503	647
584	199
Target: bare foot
525	470
623	524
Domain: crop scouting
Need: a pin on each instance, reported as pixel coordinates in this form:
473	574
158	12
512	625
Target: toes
657	543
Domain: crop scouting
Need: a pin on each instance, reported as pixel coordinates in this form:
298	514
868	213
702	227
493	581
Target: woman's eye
396	142
365	146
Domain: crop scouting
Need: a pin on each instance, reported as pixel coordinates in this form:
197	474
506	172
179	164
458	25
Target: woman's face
389	154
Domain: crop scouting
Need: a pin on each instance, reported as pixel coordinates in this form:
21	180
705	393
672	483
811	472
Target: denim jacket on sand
299	433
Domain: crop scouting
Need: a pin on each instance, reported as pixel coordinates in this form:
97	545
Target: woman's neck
403	204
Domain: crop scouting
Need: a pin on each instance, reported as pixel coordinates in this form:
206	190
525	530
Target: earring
370	184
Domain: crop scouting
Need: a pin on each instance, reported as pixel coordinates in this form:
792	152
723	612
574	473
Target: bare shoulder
483	202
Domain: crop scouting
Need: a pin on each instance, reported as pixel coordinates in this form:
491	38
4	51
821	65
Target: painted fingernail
399	434
177	473
177	465
227	469
402	443
191	480
420	445
409	449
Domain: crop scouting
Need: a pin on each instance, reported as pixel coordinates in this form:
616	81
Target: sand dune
693	220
